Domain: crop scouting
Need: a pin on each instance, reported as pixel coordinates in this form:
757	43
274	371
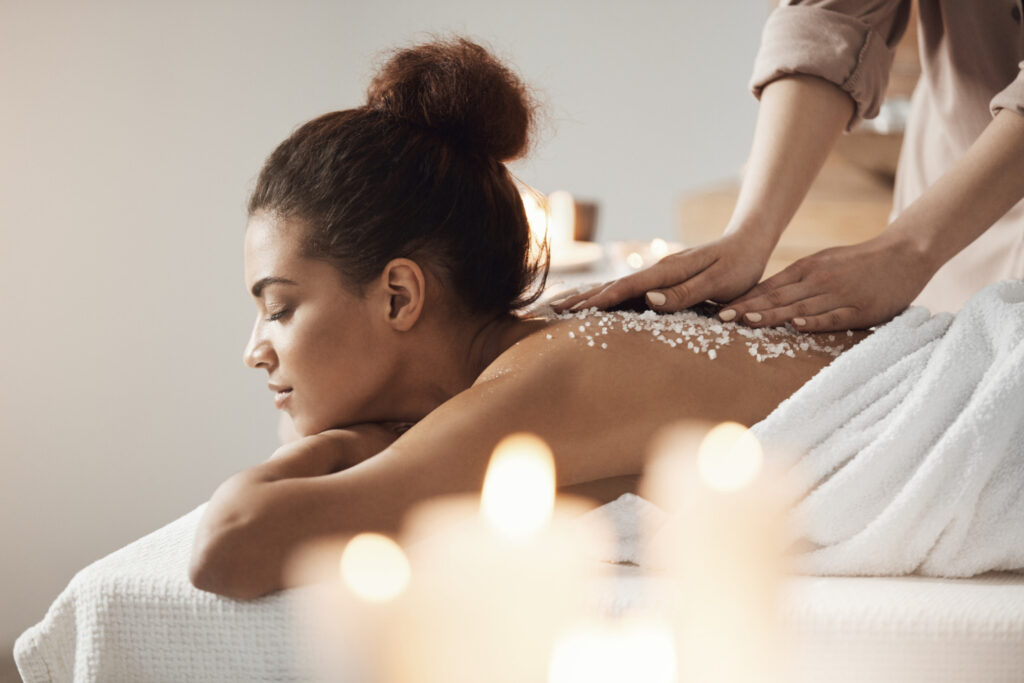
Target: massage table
134	616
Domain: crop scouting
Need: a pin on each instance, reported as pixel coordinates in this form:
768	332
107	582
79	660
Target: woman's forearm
258	516
799	120
982	186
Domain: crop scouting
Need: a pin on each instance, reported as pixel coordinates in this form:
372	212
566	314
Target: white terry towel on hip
908	450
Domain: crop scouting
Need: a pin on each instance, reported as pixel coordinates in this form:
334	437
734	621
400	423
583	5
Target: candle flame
729	457
519	489
374	567
633	650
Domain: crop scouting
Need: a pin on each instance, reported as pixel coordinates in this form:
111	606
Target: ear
405	291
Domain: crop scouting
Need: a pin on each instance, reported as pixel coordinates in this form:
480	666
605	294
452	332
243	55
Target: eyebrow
257	289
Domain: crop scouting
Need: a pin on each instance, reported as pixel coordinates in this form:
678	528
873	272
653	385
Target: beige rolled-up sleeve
1012	96
850	43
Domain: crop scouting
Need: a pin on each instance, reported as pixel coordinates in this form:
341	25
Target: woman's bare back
612	379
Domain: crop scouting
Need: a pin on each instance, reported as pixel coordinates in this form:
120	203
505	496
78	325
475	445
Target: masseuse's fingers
792	303
570	301
774	292
778	303
853	286
845	318
670	271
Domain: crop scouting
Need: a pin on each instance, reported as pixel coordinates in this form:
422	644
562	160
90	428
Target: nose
259	352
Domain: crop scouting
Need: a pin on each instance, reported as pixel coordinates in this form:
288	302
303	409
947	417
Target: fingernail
753	317
727	315
577	306
656	298
799	322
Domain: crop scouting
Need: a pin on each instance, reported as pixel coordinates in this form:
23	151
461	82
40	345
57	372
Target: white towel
908	450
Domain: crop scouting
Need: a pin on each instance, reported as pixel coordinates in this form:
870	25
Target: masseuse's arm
868	283
799	120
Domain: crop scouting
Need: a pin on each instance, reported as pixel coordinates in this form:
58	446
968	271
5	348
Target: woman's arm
233	552
256	521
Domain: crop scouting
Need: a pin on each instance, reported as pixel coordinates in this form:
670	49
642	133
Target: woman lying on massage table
388	254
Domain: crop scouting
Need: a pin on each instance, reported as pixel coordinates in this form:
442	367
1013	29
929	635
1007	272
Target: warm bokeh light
535	206
630	649
729	457
635	261
374	567
561	218
659	248
519	490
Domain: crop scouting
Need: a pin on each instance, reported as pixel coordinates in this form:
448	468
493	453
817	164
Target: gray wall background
130	133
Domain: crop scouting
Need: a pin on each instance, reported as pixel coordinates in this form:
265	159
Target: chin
310	425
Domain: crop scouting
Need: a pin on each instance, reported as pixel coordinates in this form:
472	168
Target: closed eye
278	315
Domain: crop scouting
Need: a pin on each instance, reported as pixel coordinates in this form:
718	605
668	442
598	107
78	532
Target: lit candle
561	220
495	578
723	548
352	590
481	591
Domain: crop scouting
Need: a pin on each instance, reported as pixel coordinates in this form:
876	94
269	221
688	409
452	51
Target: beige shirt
972	65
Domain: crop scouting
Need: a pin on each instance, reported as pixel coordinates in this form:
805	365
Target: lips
281	394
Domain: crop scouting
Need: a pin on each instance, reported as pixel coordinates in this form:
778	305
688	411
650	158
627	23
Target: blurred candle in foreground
723	547
374	567
495	578
632	648
352	590
519	489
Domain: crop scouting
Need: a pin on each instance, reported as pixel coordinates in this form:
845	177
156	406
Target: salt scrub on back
698	333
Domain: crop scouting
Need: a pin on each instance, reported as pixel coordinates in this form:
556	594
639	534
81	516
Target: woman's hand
851	287
720	270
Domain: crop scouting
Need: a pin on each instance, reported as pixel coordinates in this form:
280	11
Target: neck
448	360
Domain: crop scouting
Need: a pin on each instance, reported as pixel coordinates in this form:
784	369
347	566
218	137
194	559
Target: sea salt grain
700	334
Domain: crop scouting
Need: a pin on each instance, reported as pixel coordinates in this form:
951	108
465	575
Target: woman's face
326	359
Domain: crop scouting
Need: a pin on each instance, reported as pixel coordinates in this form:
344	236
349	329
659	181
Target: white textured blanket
908	450
134	616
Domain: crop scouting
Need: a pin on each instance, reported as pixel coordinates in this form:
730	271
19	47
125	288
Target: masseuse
959	220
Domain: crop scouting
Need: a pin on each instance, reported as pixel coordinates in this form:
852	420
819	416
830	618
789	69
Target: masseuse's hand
851	287
720	270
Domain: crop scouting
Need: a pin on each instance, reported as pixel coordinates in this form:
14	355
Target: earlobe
405	286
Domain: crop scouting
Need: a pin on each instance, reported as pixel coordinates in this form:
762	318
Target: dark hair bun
458	89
